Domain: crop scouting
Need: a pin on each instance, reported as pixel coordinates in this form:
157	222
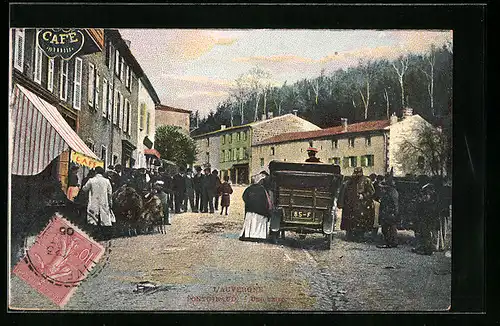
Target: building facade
170	116
371	145
229	150
58	82
145	122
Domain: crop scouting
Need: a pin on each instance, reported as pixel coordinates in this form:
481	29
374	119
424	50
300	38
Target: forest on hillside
371	90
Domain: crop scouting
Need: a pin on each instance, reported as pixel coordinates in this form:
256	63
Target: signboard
84	160
63	43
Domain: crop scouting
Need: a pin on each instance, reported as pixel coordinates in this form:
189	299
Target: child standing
225	190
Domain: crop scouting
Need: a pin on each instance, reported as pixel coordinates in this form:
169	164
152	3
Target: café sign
64	43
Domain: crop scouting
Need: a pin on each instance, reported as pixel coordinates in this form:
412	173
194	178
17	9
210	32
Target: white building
148	99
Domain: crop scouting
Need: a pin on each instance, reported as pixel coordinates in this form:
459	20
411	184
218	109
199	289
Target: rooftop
162	107
337	130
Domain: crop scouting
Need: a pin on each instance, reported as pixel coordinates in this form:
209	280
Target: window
91	84
104	97
129	118
244	135
90	145
230	138
104	154
128	76
50	74
350	162
142	120
334	160
126	116
37	72
367	160
223	139
261	162
148	117
117	62
122	69
115	159
97	99
223	156
368	141
335	143
351	142
245	153
238	136
116	108
235	154
120	112
272	151
19	49
63	80
110	101
77	85
228	155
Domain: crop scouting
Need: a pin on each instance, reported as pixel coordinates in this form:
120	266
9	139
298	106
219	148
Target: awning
153	152
40	134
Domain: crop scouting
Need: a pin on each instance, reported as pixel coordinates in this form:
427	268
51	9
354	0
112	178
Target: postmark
59	260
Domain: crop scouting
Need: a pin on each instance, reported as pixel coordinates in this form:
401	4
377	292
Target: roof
125	51
149	87
251	124
337	130
162	107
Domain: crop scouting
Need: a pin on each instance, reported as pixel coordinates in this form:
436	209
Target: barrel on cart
304	198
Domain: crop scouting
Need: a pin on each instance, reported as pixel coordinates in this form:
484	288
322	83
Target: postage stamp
59	260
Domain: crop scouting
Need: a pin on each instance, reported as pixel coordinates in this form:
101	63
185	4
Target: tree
426	153
174	145
430	60
403	62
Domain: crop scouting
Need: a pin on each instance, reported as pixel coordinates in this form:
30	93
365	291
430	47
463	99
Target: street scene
230	170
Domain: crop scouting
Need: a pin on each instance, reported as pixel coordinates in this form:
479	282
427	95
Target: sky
196	69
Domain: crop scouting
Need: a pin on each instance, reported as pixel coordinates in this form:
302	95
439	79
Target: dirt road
201	265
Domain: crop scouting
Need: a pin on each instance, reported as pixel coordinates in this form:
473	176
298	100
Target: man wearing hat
209	188
197	188
389	210
428	218
357	212
311	152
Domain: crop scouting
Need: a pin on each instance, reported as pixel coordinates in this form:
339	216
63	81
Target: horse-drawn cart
304	196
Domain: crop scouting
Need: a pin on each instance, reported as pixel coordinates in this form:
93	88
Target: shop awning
153	152
40	134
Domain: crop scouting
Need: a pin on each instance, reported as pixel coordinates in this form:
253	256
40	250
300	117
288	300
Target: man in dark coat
428	218
179	189
311	152
197	188
209	188
389	210
189	194
357	205
217	195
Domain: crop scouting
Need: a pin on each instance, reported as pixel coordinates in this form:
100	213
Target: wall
407	128
172	118
145	98
296	151
212	147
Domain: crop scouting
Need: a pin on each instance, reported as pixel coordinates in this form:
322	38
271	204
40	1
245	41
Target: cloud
274	58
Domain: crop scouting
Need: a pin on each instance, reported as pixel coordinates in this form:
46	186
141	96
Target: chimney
263	117
344	123
393	119
270	115
127	42
295	112
407	112
222	127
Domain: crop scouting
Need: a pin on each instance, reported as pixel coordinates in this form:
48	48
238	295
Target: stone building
371	145
170	116
60	84
229	150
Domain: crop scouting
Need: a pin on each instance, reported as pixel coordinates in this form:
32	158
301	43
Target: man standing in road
428	219
389	210
179	189
197	188
357	212
189	195
217	185
100	202
209	188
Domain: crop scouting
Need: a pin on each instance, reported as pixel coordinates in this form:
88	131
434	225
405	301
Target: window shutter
143	116
104	97
97	98
19	50
63	81
122	68
110	102
115	108
147	122
125	116
38	64
91	84
117	62
120	118
77	85
50	74
129	121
